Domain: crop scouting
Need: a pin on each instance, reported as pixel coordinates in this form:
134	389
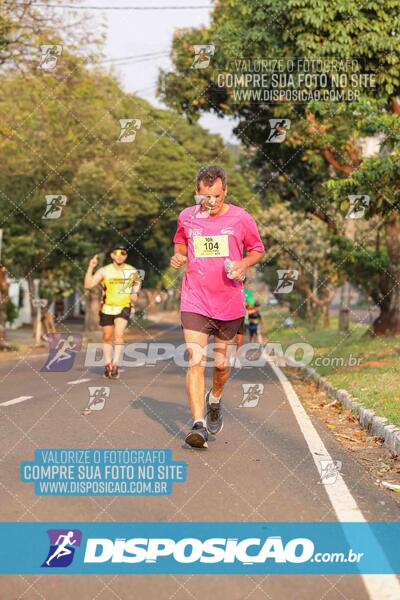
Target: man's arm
180	256
180	245
253	246
91	280
136	288
239	267
252	258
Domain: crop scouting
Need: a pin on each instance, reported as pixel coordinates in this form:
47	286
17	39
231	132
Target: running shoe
214	416
107	370
114	372
197	436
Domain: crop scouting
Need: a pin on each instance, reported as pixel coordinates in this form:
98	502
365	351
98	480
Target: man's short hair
209	175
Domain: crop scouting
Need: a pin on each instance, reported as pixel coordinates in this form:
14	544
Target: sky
138	32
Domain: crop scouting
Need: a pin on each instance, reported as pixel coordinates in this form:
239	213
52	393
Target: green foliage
60	133
12	312
24	27
379	175
297	169
321	161
363	263
294	241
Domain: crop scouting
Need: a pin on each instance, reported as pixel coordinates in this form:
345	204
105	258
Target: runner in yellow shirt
121	283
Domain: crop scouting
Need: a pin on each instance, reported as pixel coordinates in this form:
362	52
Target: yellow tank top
118	286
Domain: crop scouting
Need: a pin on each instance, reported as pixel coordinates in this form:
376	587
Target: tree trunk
327	319
3	307
92	310
344	312
31	289
325	304
345	293
388	322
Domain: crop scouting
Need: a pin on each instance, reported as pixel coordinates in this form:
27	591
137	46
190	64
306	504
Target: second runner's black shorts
109	319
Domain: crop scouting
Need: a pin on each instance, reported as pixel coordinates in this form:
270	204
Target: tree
25	32
296	244
3	306
378	178
60	139
24	27
324	137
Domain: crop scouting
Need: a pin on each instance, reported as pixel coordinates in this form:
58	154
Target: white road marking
16	400
76	381
379	587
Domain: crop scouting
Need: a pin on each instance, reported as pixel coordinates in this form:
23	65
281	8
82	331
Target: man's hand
238	270
177	261
92	280
93	262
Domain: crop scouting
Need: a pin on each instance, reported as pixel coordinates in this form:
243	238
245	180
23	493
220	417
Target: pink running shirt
206	289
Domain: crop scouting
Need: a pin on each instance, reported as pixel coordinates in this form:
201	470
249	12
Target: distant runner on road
121	283
210	240
255	319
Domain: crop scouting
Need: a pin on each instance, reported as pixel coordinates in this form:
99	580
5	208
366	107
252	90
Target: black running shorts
109	319
224	330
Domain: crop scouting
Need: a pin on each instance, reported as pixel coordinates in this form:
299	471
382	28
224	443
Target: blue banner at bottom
200	548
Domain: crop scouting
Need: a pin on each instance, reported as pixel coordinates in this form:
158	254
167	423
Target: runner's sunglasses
120	253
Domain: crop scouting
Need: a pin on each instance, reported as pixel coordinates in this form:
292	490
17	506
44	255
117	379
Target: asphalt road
259	469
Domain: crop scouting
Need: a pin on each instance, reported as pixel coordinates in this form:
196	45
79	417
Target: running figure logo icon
202	55
97	397
358	206
54	206
49	56
129	128
251	394
287	278
330	470
279	129
63	543
63	348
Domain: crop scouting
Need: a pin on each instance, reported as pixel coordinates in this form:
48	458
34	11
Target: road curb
376	425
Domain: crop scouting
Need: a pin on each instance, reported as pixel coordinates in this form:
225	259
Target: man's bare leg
108	333
196	341
223	352
239	346
223	349
120	326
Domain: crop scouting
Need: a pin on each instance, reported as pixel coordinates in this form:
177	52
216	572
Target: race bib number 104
209	246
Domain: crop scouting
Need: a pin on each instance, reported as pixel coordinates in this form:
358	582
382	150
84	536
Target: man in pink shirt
210	240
